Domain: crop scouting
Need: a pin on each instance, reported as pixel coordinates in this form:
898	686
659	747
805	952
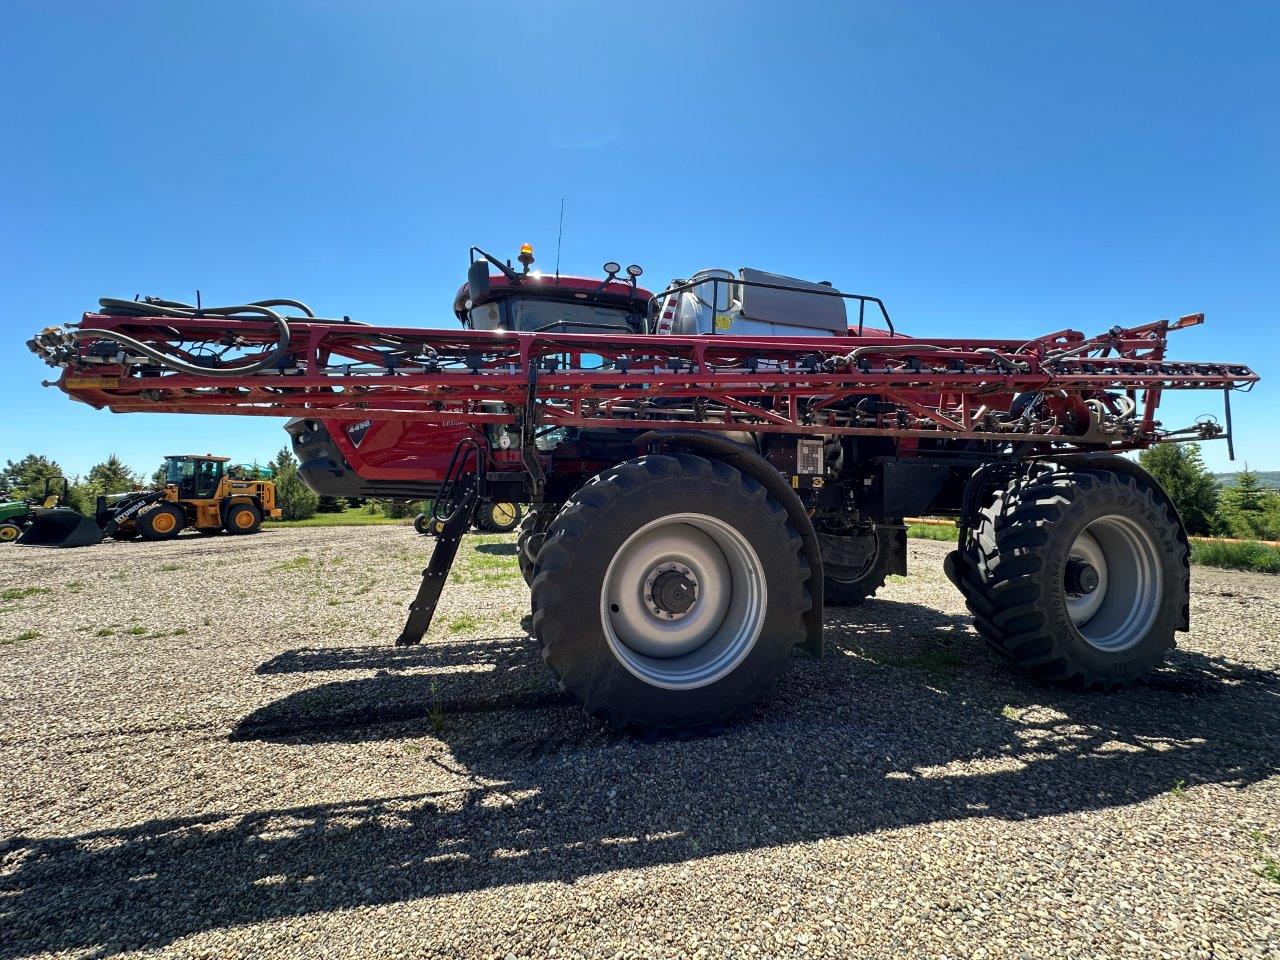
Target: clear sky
1006	168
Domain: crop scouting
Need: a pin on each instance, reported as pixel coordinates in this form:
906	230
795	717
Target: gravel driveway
212	749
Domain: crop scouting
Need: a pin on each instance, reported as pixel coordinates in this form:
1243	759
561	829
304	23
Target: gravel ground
211	749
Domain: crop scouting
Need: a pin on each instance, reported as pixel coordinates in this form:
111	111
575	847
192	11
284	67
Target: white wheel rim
714	626
1119	612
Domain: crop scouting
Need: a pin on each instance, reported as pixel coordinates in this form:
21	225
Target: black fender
747	461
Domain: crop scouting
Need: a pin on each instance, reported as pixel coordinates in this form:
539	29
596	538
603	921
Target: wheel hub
1081	577
1113	583
683	601
671	590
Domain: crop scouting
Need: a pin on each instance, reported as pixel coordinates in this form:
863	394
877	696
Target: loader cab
196	477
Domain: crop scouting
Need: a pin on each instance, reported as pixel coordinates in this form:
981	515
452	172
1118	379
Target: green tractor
17	515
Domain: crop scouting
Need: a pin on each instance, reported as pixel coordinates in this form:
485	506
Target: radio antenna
559	238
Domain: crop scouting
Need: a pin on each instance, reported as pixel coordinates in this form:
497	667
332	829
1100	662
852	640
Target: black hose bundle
152	307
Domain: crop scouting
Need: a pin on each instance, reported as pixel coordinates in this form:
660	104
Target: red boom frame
942	388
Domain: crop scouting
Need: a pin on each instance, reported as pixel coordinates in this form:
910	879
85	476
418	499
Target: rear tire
1077	576
533	531
854	568
669	594
242	518
422	523
164	521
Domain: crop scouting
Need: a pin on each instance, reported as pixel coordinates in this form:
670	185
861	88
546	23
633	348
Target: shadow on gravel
501	549
905	721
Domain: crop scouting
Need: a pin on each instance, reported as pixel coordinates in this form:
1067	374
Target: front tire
164	521
669	594
9	532
1078	576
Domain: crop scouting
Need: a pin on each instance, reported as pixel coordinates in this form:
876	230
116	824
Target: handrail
862	298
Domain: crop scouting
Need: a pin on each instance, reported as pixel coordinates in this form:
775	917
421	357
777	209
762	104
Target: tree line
26	479
1246	510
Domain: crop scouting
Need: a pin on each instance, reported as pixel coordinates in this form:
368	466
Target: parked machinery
696	496
17	515
199	493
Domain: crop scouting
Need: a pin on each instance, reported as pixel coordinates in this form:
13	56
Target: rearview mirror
478	280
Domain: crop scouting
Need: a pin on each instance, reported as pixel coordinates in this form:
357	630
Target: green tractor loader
52	523
47	521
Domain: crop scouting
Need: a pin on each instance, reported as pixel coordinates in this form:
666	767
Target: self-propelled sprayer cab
528	301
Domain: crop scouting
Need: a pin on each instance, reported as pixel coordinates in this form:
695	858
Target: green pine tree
293	497
112	476
25	479
1248	510
1180	470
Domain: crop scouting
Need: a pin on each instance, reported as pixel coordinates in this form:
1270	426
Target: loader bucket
61	527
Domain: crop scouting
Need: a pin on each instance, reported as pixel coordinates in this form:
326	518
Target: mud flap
61	527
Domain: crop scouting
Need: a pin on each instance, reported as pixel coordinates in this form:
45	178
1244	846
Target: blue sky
1007	168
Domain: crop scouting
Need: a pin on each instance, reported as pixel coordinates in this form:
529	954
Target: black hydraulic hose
158	309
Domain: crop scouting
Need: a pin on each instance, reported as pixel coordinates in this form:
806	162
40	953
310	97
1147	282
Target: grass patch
104	632
25	635
136	631
1179	789
1268	867
17	593
297	563
463	623
1237	555
930	531
348	518
168	567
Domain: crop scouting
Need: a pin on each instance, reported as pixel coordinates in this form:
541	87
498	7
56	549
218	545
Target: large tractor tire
9	532
1077	576
164	521
242	518
855	567
533	531
494	517
669	594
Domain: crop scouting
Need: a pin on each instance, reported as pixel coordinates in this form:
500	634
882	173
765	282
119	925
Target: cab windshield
527	314
194	478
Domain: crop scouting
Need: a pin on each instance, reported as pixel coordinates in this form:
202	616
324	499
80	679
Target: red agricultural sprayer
706	468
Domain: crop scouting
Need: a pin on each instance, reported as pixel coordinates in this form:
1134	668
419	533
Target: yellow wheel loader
200	492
